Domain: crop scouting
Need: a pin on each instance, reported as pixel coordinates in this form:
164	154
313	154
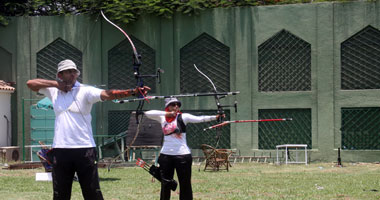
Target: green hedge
123	11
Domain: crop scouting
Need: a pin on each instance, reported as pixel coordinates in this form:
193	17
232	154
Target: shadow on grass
109	179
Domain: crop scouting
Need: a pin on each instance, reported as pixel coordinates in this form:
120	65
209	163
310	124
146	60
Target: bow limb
220	108
126	35
212	83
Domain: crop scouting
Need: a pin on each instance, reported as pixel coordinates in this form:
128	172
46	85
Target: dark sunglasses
69	71
175	104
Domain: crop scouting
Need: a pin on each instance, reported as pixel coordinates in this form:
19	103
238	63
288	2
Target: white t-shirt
175	144
72	110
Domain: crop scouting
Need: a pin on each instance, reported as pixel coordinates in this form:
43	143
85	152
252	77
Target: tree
122	11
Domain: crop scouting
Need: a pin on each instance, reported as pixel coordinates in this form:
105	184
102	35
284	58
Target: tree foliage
121	11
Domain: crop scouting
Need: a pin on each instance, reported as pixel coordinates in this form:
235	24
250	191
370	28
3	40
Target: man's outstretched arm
119	94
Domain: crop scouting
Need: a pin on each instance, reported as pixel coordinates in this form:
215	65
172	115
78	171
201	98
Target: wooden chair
216	159
43	156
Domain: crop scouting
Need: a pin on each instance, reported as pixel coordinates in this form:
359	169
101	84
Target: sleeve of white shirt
48	92
188	118
93	94
157	115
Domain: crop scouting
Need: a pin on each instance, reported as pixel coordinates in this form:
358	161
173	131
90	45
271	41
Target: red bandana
170	119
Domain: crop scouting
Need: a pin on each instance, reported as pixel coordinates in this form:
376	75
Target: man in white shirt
73	145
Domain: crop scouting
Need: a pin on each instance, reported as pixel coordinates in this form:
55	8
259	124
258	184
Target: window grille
360	128
120	65
297	131
360	57
49	57
284	64
118	121
212	58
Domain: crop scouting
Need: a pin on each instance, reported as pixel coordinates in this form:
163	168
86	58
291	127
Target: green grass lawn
243	181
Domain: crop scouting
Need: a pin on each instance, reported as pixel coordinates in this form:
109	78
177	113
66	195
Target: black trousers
182	165
82	161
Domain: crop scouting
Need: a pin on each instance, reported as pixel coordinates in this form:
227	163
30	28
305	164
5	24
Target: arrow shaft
245	121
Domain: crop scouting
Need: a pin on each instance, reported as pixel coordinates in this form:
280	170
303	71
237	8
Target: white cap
65	65
171	100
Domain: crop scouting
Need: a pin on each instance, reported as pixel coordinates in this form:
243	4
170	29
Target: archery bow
220	111
243	121
136	68
139	82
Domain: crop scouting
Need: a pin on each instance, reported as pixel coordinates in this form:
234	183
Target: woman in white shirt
175	154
